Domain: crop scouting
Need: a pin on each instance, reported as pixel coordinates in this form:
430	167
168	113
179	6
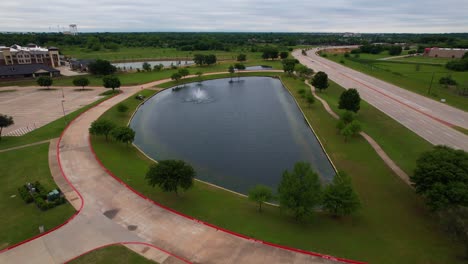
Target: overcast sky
412	16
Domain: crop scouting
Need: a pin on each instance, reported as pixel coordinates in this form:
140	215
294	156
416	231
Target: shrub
25	195
122	108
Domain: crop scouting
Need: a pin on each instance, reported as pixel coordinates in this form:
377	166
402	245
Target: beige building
31	54
445	52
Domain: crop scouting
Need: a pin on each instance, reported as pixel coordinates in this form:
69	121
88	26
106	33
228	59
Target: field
19	220
111	255
415	77
393	226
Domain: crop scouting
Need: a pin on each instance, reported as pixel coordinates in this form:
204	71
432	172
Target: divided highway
429	119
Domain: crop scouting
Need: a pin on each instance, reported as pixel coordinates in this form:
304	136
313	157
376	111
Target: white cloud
238	15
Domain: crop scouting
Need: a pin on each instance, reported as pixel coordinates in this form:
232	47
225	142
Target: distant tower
73	29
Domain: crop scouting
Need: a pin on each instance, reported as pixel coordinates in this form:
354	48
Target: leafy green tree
210	59
231	71
441	176
260	194
81	81
184	72
288	65
5	121
199	75
241	57
101	67
284	54
339	197
395	50
169	175
44	81
101	127
303	71
111	82
350	100
122	108
123	134
351	129
199	59
320	81
300	190
158	67
146	66
176	77
270	52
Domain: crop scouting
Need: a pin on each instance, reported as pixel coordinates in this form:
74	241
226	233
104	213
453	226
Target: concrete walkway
386	159
25	146
429	119
110	213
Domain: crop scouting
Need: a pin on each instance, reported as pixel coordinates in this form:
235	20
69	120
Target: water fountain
199	96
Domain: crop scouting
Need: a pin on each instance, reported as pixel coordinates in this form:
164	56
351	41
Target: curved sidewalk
429	119
113	213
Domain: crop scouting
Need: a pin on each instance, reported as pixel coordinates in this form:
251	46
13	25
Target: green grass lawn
400	143
412	77
136	78
49	131
393	226
19	220
116	254
423	59
139	53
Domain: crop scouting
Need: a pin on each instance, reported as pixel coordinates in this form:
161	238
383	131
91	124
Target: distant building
8	72
444	52
31	54
80	65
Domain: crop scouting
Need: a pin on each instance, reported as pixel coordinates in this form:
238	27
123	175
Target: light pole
430	85
63	109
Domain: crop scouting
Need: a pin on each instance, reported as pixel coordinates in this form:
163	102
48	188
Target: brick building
444	52
31	54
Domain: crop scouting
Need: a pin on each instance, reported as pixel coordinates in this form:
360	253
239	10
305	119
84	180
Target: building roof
24	69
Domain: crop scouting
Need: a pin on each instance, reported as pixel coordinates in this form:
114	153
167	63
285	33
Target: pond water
138	64
236	135
258	68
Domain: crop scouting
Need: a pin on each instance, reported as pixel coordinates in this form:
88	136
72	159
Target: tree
101	127
339	197
169	175
241	57
158	67
270	52
351	129
288	65
81	81
111	82
239	67
146	66
441	176
210	59
394	50
123	134
231	71
320	81
122	108
5	121
184	72
303	71
350	100
44	81
199	75
260	194
284	54
300	190
199	59
101	67
176	77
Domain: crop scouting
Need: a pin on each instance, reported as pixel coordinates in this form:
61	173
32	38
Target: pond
235	134
258	68
139	64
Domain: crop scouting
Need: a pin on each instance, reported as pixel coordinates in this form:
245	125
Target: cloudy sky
426	16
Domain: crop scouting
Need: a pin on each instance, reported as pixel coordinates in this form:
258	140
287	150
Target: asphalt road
429	119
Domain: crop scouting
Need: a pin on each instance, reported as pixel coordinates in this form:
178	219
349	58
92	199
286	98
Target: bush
25	195
122	108
448	80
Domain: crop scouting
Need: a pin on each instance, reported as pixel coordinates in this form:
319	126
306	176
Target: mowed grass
49	131
413	77
392	227
140	53
115	254
136	78
19	220
401	144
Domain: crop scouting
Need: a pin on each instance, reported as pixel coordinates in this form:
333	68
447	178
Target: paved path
25	146
111	213
386	159
429	119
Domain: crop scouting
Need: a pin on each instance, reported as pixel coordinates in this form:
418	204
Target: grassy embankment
392	227
19	220
415	77
116	254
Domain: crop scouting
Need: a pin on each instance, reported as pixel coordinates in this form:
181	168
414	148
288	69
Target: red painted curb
68	181
129	243
217	227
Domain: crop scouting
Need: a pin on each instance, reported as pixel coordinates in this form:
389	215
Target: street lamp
64	115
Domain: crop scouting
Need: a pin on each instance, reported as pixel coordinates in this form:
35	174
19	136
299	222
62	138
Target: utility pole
430	86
